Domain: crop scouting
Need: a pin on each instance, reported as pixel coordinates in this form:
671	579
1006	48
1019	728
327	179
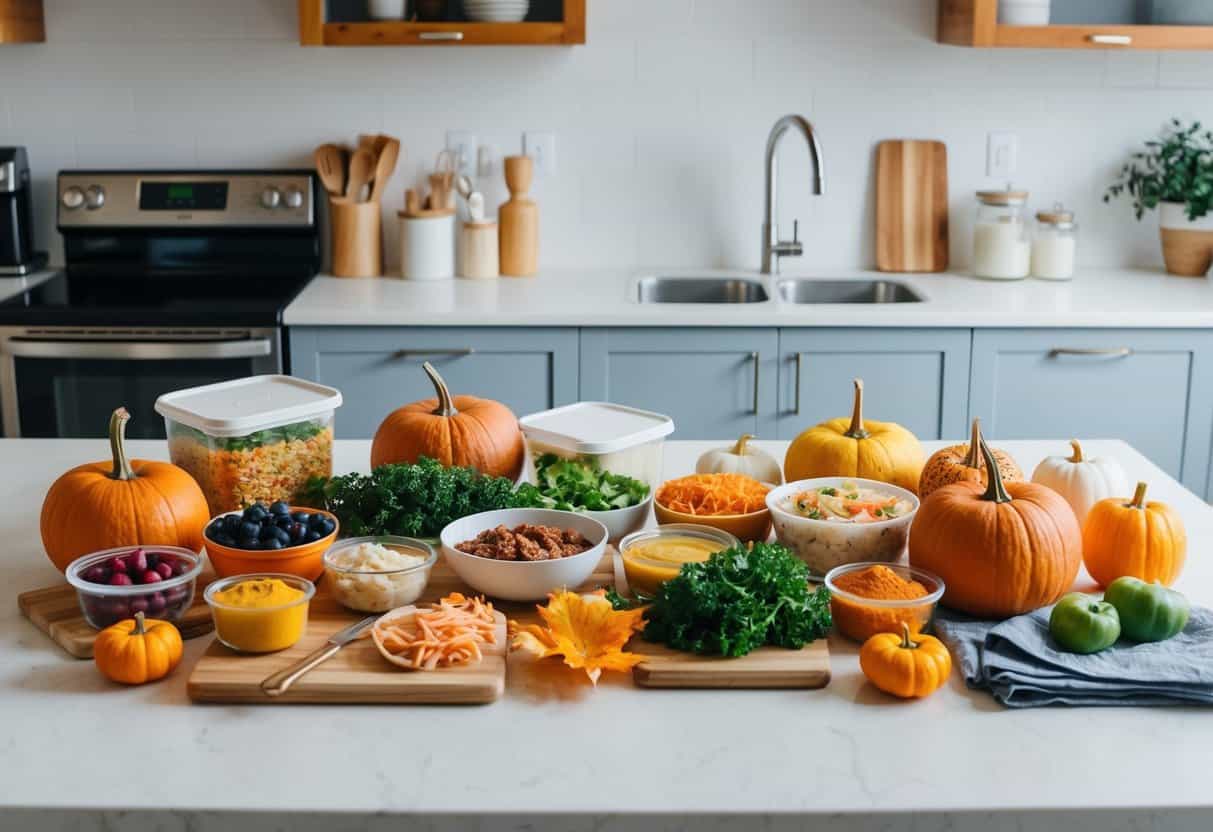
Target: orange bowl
304	561
755	526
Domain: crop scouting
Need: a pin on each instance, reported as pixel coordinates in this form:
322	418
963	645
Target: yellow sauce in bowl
260	614
650	563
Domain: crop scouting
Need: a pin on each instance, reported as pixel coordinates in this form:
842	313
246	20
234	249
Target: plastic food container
646	574
860	618
622	440
365	589
167	600
260	629
254	439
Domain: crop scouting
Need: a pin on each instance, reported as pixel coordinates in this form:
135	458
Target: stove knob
293	197
94	197
270	198
72	198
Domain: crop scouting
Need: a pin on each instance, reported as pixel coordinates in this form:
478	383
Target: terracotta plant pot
1187	245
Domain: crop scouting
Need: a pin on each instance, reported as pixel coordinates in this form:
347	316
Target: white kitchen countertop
72	740
1095	298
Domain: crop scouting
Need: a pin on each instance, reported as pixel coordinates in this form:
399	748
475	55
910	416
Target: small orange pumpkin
963	463
905	667
124	502
462	431
1144	540
1002	550
138	650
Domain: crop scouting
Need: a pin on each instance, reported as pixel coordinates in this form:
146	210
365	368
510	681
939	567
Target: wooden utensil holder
478	257
357	238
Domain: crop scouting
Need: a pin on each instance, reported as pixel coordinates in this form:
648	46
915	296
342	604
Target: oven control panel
158	199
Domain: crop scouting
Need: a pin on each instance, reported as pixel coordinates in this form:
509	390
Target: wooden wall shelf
975	23
315	30
22	21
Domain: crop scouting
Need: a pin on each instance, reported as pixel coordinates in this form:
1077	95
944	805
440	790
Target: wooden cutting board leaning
911	206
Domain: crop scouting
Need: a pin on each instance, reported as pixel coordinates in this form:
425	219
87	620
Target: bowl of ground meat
522	554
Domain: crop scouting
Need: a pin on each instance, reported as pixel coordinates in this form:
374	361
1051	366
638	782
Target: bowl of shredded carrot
733	503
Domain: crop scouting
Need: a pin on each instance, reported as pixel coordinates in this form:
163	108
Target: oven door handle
138	350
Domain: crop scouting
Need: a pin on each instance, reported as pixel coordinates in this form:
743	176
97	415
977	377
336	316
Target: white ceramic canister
1024	12
427	246
385	9
1055	244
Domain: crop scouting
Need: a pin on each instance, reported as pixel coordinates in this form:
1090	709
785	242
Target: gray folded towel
1020	664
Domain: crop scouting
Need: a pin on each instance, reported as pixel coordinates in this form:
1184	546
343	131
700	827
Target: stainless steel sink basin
807	290
699	290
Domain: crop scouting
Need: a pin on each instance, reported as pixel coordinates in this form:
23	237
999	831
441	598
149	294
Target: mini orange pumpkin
905	667
462	431
1144	540
963	463
125	502
1002	550
138	650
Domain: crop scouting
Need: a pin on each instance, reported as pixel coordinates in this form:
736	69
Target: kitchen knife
280	682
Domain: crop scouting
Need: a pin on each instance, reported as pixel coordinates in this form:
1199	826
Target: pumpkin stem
1077	456
973	457
1139	496
995	491
122	469
446	407
139	628
856	431
906	642
739	448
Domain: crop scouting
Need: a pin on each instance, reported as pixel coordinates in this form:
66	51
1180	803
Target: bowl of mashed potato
378	573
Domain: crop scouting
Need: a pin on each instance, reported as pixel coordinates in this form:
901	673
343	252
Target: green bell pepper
1148	612
1084	624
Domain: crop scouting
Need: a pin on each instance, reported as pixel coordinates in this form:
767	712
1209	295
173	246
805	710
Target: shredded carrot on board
446	634
713	494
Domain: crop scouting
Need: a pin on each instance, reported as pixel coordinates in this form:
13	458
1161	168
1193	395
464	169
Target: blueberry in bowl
275	538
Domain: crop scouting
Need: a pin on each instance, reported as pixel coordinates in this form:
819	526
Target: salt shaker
1054	244
1001	249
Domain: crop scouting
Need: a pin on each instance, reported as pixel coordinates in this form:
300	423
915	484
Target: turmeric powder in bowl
260	613
871	598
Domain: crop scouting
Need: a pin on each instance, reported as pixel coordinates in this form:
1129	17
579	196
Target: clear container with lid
1054	244
1001	247
621	440
256	439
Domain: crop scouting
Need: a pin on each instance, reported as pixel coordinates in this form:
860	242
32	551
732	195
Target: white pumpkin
741	459
1082	482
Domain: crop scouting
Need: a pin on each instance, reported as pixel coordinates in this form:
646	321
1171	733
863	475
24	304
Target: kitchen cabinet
22	21
1080	24
378	369
715	383
918	378
1152	388
343	23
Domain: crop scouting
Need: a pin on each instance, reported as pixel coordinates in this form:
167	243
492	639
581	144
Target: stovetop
190	300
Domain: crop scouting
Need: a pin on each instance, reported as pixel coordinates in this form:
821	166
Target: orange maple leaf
585	630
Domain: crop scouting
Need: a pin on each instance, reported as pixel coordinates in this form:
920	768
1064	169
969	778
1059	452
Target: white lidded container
1055	244
1002	249
621	440
255	439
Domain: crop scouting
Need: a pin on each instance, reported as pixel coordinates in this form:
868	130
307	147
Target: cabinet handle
1111	40
455	353
799	362
440	36
757	359
1109	352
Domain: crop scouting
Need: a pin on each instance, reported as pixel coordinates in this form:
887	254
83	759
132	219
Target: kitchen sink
807	290
699	290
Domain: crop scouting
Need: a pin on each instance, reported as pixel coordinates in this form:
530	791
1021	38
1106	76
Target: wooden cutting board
766	667
911	206
55	611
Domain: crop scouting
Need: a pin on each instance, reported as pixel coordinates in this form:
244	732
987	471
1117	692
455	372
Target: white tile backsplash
660	119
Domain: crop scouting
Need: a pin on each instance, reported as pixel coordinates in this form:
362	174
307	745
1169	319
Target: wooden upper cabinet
343	23
21	21
1076	24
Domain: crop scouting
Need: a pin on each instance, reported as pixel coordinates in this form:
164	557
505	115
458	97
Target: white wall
660	119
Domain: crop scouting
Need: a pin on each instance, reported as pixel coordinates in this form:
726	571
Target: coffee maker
17	255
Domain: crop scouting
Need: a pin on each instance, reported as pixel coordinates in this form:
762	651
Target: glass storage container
1001	249
1054	244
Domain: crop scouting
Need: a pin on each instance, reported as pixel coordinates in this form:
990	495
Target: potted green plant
1175	174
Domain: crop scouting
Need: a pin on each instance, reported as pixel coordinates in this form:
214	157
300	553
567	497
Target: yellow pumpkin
1144	540
137	650
854	447
905	667
963	463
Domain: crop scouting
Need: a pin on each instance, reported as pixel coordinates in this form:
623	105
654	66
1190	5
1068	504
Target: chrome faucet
772	247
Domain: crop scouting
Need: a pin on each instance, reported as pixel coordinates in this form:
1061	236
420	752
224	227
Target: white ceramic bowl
623	521
824	545
498	11
523	580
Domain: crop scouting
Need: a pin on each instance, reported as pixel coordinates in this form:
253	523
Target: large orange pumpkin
124	502
1002	550
963	463
1132	537
461	431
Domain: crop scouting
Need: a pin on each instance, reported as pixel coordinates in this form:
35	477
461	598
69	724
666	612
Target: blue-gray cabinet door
1151	388
378	369
917	378
714	383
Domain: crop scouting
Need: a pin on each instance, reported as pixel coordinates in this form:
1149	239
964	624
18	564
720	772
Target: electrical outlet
486	161
462	145
541	146
1002	155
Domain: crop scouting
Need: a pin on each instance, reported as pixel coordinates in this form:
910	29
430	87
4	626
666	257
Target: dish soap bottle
519	220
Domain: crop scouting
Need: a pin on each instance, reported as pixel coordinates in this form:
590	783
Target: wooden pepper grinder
519	220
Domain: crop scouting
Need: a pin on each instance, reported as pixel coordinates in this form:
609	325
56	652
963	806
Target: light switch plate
462	145
540	145
1002	155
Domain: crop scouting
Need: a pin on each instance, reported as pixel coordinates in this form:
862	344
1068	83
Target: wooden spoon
330	164
384	168
362	165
